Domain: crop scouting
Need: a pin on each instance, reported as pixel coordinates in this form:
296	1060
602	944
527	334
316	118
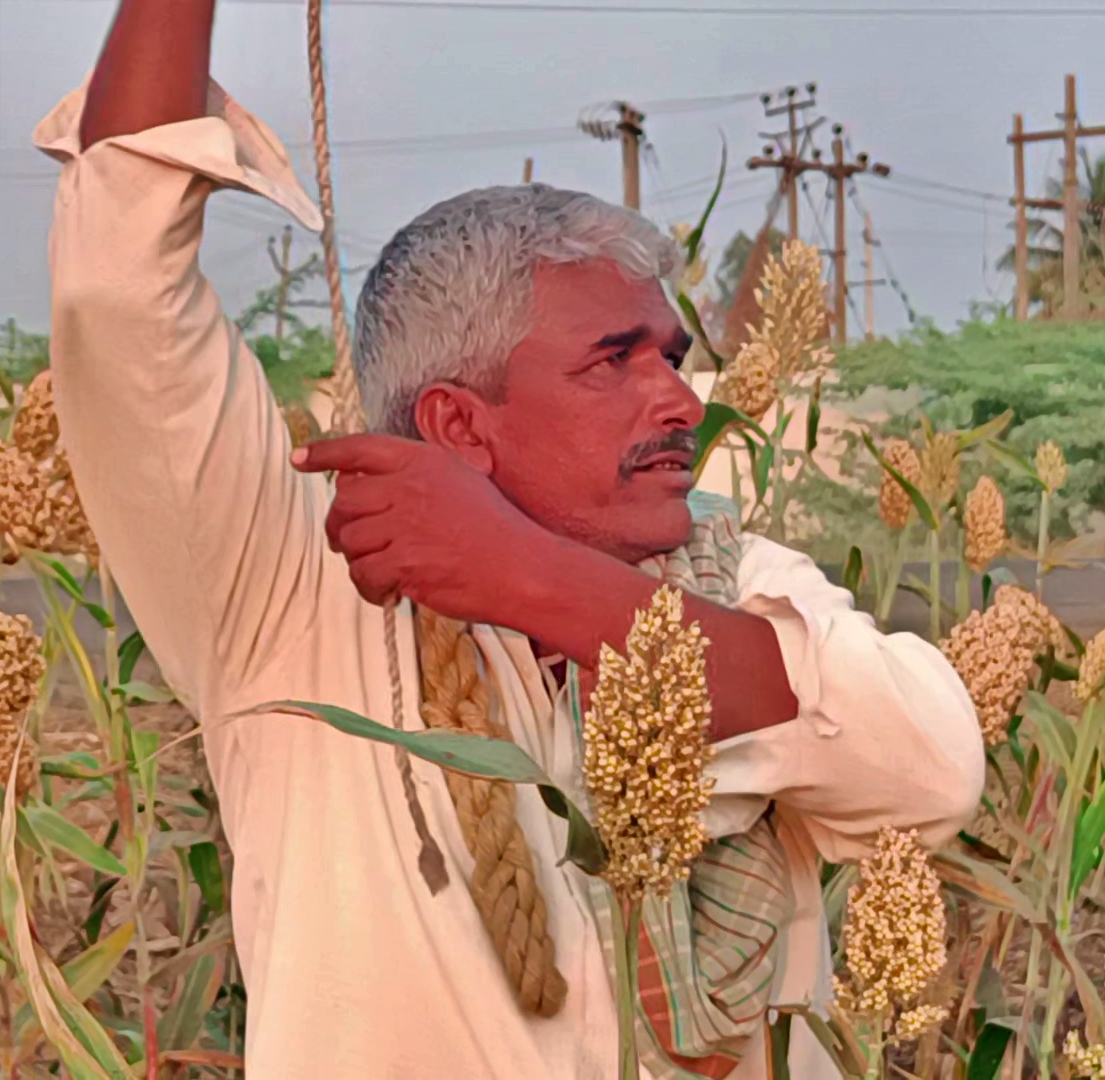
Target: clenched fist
414	520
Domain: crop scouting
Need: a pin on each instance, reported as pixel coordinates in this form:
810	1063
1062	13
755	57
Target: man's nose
675	404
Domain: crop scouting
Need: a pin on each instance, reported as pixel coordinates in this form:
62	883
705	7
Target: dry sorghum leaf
645	749
984	518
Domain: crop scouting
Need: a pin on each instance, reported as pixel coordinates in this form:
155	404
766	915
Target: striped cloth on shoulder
708	956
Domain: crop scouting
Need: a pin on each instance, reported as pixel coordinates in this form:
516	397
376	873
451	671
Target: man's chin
660	530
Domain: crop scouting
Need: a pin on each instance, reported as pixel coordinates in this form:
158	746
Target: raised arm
177	445
153	69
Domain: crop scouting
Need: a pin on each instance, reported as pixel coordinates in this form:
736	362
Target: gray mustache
678	441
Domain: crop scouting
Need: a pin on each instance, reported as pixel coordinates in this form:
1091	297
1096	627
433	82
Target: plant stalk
934	585
963	579
893	576
627	929
1042	542
777	525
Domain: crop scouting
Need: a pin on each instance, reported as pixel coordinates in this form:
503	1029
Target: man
527	475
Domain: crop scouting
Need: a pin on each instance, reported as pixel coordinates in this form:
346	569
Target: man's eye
618	358
675	359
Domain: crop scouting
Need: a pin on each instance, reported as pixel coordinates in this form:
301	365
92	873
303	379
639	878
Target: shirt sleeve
886	734
178	448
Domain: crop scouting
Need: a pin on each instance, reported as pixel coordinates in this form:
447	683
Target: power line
697	104
756	12
934	200
920	181
476	140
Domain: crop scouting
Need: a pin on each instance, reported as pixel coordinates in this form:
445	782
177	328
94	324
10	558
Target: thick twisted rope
349	419
504	884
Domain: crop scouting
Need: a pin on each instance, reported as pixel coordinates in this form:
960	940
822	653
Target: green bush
1052	375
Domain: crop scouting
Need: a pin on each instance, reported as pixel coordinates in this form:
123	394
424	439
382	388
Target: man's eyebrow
679	342
624	339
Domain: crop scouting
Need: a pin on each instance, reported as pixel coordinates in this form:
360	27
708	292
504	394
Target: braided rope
504	884
349	419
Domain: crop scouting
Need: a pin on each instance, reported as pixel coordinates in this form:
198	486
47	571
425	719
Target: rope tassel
349	420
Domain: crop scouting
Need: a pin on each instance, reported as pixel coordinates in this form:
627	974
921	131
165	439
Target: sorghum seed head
994	652
895	505
939	479
40	508
1091	671
751	382
1051	466
895	927
21	668
644	749
1084	1062
792	300
35	430
984	518
913	1023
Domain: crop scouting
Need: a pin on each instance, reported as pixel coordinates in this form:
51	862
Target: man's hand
414	520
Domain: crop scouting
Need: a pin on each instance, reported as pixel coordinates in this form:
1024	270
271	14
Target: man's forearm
153	69
573	599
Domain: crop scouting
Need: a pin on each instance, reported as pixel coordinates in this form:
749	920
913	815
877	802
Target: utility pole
628	129
840	260
1070	133
527	171
869	279
840	171
283	268
790	161
1072	235
1020	249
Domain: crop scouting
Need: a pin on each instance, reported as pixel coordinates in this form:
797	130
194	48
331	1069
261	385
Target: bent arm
153	69
886	734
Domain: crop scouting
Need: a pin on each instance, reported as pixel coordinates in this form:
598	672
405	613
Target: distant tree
1045	245
735	258
22	355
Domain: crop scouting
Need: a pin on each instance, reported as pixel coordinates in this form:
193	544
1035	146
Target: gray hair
452	293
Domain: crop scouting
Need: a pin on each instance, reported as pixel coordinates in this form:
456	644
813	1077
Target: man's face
594	439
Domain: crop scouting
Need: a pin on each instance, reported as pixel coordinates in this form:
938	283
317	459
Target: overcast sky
931	96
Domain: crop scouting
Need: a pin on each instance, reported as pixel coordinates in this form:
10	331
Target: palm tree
1045	245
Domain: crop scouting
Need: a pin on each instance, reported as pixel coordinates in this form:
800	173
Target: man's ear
456	419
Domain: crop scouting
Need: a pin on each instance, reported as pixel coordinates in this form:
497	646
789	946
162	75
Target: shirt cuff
800	635
230	146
